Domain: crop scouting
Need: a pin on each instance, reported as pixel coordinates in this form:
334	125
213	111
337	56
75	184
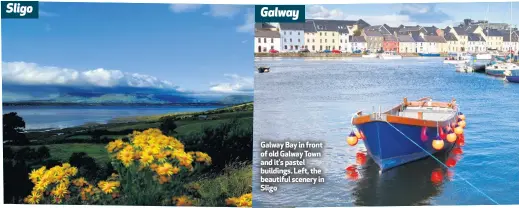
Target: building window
339	47
333	40
325	40
271	47
321	40
298	40
290	32
286	47
313	48
285	33
272	40
265	40
259	40
284	39
324	33
308	40
291	47
298	33
297	47
321	34
313	40
320	47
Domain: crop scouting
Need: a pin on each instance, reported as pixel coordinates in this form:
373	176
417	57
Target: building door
259	49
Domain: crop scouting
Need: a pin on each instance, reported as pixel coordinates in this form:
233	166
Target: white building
357	43
344	39
292	36
422	46
265	40
510	44
476	43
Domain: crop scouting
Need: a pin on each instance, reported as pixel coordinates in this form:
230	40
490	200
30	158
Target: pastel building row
354	36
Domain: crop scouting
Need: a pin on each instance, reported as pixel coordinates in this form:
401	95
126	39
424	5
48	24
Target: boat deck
429	113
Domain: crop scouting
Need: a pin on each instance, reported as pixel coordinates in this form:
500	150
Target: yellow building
494	39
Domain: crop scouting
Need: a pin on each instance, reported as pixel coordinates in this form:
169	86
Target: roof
475	37
309	26
390	38
266	34
405	38
435	39
358	39
409	28
292	26
260	26
430	30
492	32
450	37
331	25
460	31
471	28
372	33
418	38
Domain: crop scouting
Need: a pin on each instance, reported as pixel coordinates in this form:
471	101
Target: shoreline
332	55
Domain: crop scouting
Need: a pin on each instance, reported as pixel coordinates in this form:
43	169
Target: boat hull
514	79
429	54
495	72
389	148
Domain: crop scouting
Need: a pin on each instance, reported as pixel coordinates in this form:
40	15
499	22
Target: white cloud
248	26
47	14
321	12
23	73
235	84
223	10
177	8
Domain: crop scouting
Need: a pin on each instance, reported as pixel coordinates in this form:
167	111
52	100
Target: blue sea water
314	99
44	117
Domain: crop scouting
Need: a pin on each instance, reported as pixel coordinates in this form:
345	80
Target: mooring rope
479	190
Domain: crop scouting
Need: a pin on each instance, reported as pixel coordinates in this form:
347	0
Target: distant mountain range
136	99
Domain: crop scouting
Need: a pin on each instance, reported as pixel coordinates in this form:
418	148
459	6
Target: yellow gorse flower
182	201
244	200
57	178
108	187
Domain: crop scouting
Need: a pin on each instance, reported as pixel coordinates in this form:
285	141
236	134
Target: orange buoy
451	162
451	137
457	151
351	168
352	140
458	130
462	117
361	158
357	134
462	123
437	144
437	176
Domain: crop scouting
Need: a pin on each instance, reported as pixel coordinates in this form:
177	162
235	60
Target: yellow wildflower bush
152	170
242	201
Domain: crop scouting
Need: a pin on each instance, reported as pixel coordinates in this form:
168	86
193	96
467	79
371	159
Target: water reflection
411	184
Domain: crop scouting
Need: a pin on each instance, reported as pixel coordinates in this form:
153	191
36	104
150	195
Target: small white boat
390	55
464	68
459	58
371	55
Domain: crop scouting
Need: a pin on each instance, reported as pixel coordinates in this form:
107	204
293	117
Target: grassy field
62	143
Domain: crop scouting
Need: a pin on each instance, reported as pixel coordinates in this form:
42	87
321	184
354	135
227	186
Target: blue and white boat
429	54
498	69
407	132
512	75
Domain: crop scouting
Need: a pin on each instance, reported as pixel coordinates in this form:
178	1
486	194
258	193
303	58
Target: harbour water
314	99
55	117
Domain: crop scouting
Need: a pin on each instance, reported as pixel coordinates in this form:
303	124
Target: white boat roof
429	113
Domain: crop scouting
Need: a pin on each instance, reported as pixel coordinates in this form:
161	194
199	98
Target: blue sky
202	48
438	14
